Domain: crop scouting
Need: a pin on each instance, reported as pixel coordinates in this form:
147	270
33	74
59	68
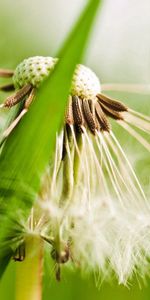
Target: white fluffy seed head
34	70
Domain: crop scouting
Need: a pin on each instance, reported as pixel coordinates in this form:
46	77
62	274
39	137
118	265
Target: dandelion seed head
92	208
85	84
33	70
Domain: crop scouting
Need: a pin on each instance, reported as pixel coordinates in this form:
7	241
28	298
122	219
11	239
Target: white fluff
107	219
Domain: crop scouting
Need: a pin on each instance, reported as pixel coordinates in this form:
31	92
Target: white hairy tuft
107	219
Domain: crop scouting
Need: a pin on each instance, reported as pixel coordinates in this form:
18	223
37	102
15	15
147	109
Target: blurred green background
119	51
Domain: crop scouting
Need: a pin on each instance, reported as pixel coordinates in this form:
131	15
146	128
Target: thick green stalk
29	272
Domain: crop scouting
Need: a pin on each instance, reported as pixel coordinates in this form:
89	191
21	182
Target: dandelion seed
92	208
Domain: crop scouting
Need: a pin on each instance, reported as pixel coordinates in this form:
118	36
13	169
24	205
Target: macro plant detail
85	86
91	209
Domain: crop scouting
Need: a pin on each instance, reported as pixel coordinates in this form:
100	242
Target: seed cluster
85	84
87	106
33	71
93	114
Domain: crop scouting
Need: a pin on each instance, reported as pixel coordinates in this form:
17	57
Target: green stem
71	176
29	272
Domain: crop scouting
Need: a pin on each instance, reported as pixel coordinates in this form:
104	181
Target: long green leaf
27	151
4	261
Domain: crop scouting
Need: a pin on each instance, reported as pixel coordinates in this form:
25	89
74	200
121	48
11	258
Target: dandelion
92	210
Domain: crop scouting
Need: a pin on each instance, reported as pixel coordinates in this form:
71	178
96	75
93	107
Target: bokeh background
118	51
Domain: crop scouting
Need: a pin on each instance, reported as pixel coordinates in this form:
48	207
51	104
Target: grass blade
27	151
